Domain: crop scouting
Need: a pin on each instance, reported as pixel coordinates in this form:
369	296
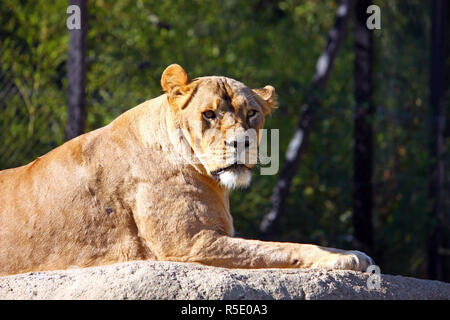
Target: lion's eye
251	113
209	114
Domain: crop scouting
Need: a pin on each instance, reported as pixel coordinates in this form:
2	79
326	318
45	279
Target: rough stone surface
171	280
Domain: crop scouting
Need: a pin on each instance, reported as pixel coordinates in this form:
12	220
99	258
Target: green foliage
258	42
32	50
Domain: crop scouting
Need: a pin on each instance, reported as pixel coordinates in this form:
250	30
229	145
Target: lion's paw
349	260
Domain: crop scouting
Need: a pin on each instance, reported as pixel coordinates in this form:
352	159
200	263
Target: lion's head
219	119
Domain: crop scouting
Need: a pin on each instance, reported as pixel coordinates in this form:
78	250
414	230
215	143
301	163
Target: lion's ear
267	97
176	83
174	76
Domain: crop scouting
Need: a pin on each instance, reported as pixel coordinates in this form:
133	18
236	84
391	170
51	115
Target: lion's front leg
175	233
214	249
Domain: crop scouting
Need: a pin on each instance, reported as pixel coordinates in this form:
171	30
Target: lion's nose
234	143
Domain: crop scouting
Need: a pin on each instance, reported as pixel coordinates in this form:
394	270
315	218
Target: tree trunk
76	75
437	135
299	141
363	146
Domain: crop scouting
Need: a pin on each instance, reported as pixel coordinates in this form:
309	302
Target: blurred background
373	174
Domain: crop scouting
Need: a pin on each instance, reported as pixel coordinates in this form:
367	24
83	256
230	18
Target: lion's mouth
234	166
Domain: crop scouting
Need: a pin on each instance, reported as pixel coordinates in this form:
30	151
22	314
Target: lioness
153	184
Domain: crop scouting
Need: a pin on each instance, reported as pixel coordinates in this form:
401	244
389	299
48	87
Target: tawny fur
116	194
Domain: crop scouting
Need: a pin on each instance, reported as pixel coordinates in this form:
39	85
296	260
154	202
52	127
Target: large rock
171	280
